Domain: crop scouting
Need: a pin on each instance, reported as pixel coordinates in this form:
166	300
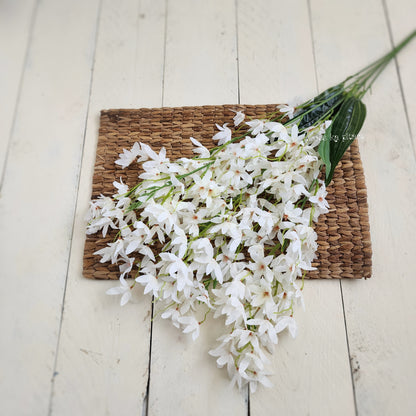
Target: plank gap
146	398
313	45
348	349
164	52
248	400
340	283
19	90
399	77
54	372
237	51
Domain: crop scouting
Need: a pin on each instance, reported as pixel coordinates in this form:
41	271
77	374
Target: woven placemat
343	233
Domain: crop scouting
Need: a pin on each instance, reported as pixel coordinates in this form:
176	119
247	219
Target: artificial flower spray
230	231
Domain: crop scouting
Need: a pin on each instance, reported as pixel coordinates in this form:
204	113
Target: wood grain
379	314
38	200
16	18
103	355
400	17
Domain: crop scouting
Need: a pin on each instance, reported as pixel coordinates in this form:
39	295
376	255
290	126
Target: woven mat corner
344	244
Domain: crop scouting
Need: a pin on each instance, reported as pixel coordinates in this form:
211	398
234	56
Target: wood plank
201	52
402	21
276	61
312	372
200	69
38	198
103	354
379	312
16	19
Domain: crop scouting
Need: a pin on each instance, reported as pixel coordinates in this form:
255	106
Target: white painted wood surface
38	199
66	348
103	354
16	20
380	312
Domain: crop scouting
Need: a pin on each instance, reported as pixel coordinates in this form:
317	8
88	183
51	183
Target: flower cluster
228	231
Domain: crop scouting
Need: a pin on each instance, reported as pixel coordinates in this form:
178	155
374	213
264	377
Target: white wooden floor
68	349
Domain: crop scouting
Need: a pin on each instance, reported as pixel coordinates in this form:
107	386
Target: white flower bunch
228	231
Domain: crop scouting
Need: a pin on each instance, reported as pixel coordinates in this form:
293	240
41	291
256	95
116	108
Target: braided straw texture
343	233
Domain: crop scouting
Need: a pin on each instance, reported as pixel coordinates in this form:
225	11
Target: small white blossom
287	322
256	126
150	282
319	199
287	110
127	157
124	290
224	134
191	325
238	118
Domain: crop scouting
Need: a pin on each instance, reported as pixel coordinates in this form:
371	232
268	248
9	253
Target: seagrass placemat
343	233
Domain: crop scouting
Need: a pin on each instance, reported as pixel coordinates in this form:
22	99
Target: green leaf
320	106
345	128
324	149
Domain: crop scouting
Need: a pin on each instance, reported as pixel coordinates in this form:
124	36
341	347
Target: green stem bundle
342	104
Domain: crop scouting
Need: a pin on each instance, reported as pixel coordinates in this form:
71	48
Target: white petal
125	298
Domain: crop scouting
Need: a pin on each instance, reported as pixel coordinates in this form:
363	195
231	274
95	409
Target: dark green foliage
320	107
345	127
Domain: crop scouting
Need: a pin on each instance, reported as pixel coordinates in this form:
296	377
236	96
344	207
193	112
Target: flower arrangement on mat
230	231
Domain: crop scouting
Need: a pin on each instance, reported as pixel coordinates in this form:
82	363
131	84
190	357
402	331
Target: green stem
355	85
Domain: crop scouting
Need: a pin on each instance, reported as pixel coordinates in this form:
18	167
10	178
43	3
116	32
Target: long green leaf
345	128
328	100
